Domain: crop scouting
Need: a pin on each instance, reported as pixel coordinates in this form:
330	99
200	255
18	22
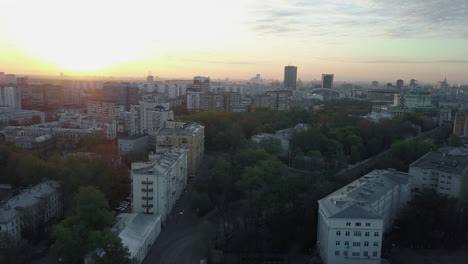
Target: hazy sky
355	39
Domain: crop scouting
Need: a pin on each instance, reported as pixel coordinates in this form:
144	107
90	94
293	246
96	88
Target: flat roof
354	200
448	159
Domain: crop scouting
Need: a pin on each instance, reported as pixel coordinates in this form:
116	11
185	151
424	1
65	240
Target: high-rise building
10	79
148	118
2	77
399	84
201	84
10	96
120	93
290	77
353	219
327	81
413	83
442	84
375	84
150	79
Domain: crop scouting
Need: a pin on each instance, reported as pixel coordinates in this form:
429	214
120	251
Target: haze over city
357	39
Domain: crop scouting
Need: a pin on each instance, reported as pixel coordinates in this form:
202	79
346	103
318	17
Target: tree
114	252
92	209
76	235
455	141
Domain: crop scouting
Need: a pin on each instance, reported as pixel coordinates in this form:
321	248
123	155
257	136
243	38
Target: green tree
114	252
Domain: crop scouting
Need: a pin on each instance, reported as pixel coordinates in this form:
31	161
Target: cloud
364	18
394	61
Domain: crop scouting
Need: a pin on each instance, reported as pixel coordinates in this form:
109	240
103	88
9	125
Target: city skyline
360	40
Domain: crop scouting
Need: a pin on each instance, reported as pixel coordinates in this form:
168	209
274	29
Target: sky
357	40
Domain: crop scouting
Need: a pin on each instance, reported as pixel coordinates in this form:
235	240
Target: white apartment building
353	219
38	206
193	101
148	117
10	96
443	170
159	182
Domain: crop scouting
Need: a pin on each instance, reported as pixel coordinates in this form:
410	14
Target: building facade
39	207
353	219
10	96
184	134
290	77
148	118
158	183
443	170
327	81
137	143
120	93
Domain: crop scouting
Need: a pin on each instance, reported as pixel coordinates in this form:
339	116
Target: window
376	244
376	234
347	233
357	233
346	243
345	253
357	224
367	224
367	234
375	253
337	253
356	244
365	254
366	244
338	233
348	223
355	254
337	243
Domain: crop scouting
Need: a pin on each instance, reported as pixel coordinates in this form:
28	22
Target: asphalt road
178	242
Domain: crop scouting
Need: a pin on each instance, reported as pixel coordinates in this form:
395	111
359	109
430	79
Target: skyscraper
399	84
375	84
290	77
327	81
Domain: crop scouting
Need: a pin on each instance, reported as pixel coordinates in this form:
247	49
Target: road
178	242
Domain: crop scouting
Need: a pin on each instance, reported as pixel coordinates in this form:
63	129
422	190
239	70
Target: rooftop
158	163
355	199
134	229
25	199
448	159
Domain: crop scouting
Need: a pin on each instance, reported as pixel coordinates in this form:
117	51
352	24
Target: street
178	242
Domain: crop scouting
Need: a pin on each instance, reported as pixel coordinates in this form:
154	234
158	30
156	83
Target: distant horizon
360	40
188	78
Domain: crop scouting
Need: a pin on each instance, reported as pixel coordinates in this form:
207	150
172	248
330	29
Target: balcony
147	197
147	190
147	182
147	205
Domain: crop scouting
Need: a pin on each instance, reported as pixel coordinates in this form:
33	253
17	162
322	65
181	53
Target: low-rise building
137	143
353	219
159	182
443	170
42	144
138	233
36	208
67	138
184	134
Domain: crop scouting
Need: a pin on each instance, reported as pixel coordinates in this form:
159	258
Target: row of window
356	224
357	233
357	254
357	244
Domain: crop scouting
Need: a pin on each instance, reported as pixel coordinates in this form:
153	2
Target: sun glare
89	36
